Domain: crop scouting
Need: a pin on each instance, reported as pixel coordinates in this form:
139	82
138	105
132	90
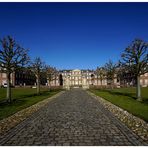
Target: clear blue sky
75	35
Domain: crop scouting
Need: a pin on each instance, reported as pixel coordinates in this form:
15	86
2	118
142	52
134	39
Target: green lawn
126	99
22	98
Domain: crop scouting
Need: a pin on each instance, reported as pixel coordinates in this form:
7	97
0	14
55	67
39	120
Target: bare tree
100	72
37	67
135	57
125	75
110	69
12	57
51	74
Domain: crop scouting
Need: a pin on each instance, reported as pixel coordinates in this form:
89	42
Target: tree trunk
101	83
49	85
55	81
111	85
38	85
112	82
8	88
138	89
97	80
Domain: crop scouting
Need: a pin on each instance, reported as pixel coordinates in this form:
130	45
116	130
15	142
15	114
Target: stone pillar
67	83
84	83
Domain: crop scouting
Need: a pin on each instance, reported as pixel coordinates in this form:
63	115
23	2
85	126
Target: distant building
73	78
78	78
87	78
3	79
22	77
144	80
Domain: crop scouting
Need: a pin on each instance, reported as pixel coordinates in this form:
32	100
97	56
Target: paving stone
137	125
66	144
73	118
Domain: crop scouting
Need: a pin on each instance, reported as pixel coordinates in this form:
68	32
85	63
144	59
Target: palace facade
79	78
87	78
73	78
22	77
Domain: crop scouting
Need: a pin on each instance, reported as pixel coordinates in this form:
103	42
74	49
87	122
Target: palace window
146	82
141	81
3	75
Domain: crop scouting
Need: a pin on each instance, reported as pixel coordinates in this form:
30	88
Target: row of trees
14	57
38	67
134	60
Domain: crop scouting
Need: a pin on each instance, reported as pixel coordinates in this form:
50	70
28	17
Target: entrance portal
61	80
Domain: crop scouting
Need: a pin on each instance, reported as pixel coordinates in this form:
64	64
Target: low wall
103	86
42	86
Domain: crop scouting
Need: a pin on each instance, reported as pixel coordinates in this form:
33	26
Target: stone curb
137	125
8	123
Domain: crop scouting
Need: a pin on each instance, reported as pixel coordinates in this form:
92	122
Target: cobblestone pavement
74	118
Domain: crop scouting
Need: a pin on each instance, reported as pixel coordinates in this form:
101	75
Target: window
3	75
140	81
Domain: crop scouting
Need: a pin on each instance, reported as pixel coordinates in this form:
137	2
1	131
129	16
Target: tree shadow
128	94
45	93
22	99
145	101
131	95
112	92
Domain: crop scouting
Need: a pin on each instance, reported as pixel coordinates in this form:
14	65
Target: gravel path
73	118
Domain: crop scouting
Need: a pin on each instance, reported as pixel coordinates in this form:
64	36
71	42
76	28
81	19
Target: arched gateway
61	80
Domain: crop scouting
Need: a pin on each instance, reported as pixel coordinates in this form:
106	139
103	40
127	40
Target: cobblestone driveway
74	118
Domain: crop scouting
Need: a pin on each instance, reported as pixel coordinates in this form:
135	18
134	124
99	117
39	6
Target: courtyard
77	75
73	118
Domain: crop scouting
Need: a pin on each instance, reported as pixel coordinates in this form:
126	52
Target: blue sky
75	35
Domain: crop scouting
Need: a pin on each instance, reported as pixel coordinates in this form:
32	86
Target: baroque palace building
21	77
87	78
72	78
78	78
